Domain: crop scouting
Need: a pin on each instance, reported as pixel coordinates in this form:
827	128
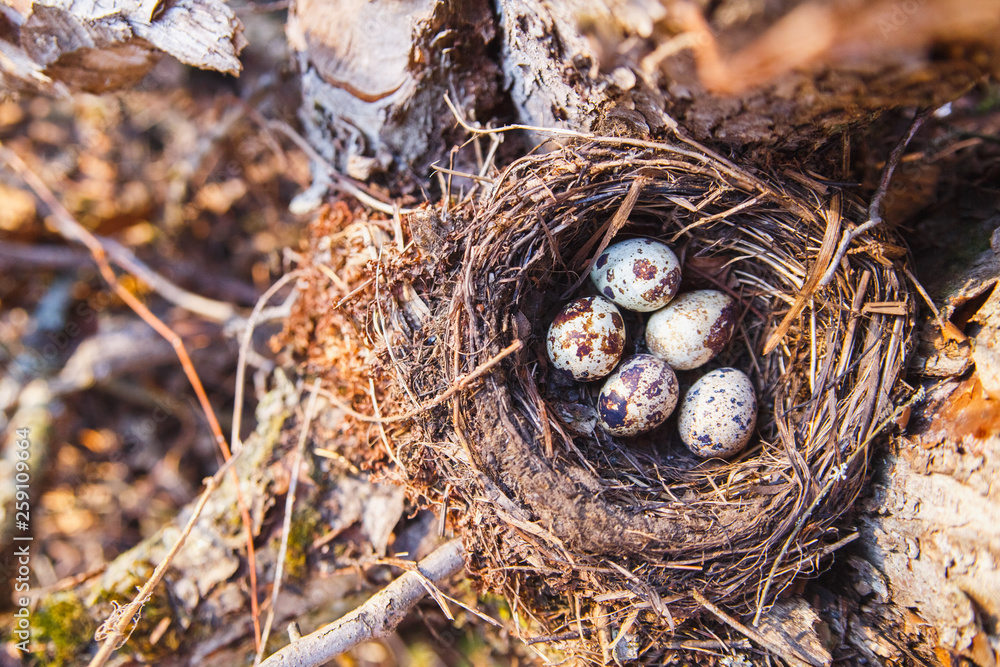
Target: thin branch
241	365
377	617
29	256
471	129
287	524
465	380
948	330
874	216
70	229
210	309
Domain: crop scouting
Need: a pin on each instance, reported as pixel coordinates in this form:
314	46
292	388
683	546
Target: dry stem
377	617
287	522
874	216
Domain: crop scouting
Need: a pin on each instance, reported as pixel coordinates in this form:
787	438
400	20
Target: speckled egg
638	274
587	338
638	396
692	329
718	414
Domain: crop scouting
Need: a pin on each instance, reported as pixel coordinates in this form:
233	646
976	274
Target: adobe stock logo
898	16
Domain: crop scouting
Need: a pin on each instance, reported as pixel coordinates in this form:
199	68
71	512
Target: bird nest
605	541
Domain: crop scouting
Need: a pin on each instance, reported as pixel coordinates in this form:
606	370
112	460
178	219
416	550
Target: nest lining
585	532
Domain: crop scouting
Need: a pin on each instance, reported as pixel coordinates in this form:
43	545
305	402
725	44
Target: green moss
990	101
962	253
156	609
305	525
63	630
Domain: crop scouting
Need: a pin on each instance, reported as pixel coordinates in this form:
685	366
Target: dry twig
377	617
287	523
245	341
874	216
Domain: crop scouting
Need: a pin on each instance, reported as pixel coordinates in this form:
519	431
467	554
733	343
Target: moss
156	609
990	101
305	525
964	252
63	630
153	613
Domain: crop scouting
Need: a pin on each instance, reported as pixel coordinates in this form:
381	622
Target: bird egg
587	338
692	329
638	396
718	414
638	274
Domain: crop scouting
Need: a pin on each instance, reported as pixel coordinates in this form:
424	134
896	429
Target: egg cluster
587	339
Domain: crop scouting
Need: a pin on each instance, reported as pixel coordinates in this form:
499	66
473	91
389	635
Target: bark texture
374	77
930	530
778	76
787	75
108	44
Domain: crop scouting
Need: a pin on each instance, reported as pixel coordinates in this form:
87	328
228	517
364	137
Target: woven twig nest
593	536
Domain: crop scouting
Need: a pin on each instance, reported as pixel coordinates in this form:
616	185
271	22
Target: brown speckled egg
638	274
638	396
718	414
587	338
692	329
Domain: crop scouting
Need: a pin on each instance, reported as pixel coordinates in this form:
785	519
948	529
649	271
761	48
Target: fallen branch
377	617
18	256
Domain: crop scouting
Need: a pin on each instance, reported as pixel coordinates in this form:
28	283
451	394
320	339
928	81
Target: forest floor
183	172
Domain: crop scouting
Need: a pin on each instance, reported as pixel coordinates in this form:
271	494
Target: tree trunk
786	75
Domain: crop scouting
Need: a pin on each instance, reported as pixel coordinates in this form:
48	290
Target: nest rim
541	216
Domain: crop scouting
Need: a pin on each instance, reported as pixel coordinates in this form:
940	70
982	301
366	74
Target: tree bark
783	76
110	44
